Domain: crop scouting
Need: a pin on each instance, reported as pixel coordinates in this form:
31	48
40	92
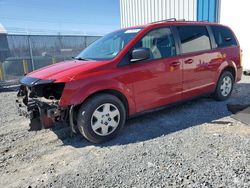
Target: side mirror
140	54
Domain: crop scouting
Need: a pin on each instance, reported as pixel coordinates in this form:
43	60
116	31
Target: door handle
175	64
189	61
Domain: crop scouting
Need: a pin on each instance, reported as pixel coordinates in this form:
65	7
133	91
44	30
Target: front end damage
38	100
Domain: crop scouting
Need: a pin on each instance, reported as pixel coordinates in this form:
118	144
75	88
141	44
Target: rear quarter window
223	37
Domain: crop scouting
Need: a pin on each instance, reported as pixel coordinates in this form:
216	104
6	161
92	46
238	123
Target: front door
158	80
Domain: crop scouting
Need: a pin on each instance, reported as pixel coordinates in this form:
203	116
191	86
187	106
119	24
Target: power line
16	30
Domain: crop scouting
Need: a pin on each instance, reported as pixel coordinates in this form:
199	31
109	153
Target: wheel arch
231	70
218	92
114	92
227	66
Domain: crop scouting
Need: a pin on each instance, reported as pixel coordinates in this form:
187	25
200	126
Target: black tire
86	111
218	94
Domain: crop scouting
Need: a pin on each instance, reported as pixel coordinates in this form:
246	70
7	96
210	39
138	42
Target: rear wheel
224	86
101	117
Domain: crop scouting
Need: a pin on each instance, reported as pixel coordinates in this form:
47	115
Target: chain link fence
21	54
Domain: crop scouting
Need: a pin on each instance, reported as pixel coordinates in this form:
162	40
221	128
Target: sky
90	17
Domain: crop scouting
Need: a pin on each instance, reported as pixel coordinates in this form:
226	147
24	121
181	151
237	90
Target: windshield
109	46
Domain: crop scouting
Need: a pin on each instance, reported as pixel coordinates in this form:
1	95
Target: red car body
149	85
178	61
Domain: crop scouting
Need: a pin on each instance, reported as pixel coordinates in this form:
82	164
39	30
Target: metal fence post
53	60
1	72
25	67
31	53
85	41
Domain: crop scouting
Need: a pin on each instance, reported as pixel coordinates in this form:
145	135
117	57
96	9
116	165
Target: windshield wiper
81	59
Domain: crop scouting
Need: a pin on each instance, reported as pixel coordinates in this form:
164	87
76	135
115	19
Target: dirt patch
227	128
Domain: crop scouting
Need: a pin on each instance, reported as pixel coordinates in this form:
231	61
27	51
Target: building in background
139	12
229	12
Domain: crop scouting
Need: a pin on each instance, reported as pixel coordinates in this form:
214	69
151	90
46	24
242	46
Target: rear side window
194	38
223	36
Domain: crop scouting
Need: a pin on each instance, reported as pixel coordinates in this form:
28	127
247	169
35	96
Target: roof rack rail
169	20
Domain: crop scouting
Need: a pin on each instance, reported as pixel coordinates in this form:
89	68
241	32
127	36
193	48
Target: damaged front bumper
39	100
46	112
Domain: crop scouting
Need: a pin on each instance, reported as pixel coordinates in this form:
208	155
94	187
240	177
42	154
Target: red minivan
130	71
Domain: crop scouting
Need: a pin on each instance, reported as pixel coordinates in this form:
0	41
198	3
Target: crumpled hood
66	69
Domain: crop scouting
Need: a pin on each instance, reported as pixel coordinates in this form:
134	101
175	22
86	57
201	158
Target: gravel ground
196	144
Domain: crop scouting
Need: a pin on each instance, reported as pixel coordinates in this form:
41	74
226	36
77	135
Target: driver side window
160	43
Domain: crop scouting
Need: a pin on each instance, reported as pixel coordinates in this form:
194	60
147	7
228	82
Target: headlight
49	91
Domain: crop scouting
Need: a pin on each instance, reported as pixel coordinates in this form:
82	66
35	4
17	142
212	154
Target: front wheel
224	86
101	117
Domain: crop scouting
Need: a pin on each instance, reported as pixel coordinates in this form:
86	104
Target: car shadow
166	121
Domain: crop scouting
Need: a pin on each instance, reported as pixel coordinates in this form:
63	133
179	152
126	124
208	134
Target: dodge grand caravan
130	71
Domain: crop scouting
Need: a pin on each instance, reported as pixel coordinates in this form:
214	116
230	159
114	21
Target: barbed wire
42	31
